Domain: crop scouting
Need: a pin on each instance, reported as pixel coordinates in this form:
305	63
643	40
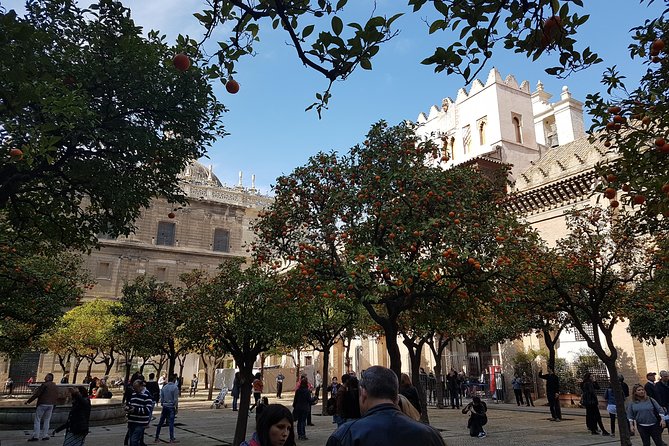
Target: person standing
662	390
527	390
591	402
517	384
302	407
153	388
9	386
169	399
650	385
382	422
47	397
553	393
257	386
162	381
193	386
236	387
453	388
409	391
318	383
139	409
76	426
279	384
643	412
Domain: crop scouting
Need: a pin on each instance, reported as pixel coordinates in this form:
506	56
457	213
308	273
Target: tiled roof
562	162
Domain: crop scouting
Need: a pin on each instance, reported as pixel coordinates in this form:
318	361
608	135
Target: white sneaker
482	435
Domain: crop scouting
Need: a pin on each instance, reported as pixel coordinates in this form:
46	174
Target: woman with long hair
273	428
590	400
647	416
409	391
301	407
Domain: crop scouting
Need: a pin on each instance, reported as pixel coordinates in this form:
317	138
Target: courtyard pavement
199	425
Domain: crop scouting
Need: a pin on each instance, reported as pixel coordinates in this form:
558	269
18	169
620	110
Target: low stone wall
20	416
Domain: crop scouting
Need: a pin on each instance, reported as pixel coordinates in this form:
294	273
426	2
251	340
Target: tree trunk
415	350
77	363
551	343
206	370
171	357
246	377
437	351
326	379
391	332
623	424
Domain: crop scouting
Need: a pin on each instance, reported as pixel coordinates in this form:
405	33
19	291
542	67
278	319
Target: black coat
385	424
412	395
552	383
80	414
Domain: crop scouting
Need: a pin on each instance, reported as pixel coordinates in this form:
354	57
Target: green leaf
337	25
306	32
365	64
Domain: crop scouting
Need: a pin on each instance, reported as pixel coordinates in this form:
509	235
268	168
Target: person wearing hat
662	390
650	385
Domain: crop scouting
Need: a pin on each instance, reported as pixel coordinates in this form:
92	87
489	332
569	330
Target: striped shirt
141	408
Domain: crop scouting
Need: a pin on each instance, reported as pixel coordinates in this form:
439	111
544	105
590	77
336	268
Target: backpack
331	406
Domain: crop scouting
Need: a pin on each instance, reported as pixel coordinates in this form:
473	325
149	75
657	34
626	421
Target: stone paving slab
200	425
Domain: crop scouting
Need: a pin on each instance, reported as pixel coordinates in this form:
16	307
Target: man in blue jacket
382	421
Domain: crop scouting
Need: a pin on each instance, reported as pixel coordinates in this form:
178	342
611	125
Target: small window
103	271
467	138
482	128
588	330
221	240
517	129
161	274
308	360
452	152
166	232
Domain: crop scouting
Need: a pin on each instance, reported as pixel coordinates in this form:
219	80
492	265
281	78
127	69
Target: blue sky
271	134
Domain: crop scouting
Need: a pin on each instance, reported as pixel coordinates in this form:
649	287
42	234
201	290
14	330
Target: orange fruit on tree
16	153
614	203
232	86
171	215
638	199
609	192
614	110
657	45
181	62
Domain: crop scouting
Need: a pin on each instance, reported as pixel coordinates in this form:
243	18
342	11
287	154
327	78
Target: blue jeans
168	414
135	434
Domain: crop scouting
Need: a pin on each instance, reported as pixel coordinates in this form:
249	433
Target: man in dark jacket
662	389
649	387
47	397
382	422
553	393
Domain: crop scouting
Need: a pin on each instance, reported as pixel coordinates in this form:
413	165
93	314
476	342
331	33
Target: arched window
452	148
467	138
517	129
482	126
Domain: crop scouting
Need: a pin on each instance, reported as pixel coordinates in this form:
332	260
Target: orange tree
635	126
324	42
95	120
650	312
245	312
38	283
591	276
389	228
324	319
151	319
